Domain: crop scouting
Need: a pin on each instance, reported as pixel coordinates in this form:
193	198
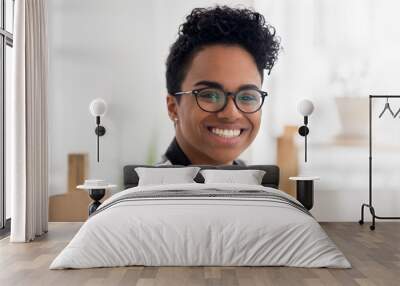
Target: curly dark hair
221	25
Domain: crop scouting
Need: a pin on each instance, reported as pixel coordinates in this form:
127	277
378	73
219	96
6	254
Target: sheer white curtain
28	121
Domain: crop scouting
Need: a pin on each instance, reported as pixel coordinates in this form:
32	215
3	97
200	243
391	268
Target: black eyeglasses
214	100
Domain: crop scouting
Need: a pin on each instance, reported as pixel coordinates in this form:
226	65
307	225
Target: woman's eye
211	96
248	98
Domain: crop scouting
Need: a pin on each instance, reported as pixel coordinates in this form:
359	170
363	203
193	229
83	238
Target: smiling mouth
226	132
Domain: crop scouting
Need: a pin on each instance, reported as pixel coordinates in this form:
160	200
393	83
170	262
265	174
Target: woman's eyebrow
218	85
209	84
248	86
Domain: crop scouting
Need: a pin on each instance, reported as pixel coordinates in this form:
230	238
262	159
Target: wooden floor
374	255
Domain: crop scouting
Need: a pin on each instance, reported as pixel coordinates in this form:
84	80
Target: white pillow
162	176
248	177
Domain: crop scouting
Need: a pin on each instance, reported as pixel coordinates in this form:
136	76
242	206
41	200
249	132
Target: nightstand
305	190
97	190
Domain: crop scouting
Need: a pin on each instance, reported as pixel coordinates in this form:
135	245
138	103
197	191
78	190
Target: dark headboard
270	179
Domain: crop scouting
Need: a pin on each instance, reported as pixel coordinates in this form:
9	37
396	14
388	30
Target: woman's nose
230	111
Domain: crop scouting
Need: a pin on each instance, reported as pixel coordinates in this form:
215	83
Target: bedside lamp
305	184
98	108
305	107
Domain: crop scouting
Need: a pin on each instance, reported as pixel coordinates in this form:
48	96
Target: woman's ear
172	107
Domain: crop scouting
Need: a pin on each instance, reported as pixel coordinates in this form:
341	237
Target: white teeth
226	132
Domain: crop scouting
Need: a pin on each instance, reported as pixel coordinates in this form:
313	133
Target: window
6	44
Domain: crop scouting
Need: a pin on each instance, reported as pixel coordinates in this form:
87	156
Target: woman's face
231	67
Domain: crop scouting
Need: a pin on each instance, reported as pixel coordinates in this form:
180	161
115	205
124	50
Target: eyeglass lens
212	100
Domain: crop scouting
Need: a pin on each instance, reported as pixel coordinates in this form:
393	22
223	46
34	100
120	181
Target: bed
201	224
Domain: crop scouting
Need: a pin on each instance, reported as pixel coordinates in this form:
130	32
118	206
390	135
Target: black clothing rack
369	205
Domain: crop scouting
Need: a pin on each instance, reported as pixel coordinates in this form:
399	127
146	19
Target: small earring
176	119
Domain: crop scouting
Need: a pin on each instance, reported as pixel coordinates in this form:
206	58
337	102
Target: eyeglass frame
195	92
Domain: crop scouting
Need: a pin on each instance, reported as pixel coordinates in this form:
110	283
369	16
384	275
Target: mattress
201	225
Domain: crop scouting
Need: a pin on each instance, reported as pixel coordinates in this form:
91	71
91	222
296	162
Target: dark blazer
175	156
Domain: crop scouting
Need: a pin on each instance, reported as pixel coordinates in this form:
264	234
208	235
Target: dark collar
176	155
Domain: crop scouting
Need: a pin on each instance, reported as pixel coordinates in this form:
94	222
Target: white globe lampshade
305	107
98	107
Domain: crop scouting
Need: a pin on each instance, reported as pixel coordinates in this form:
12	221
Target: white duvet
183	231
